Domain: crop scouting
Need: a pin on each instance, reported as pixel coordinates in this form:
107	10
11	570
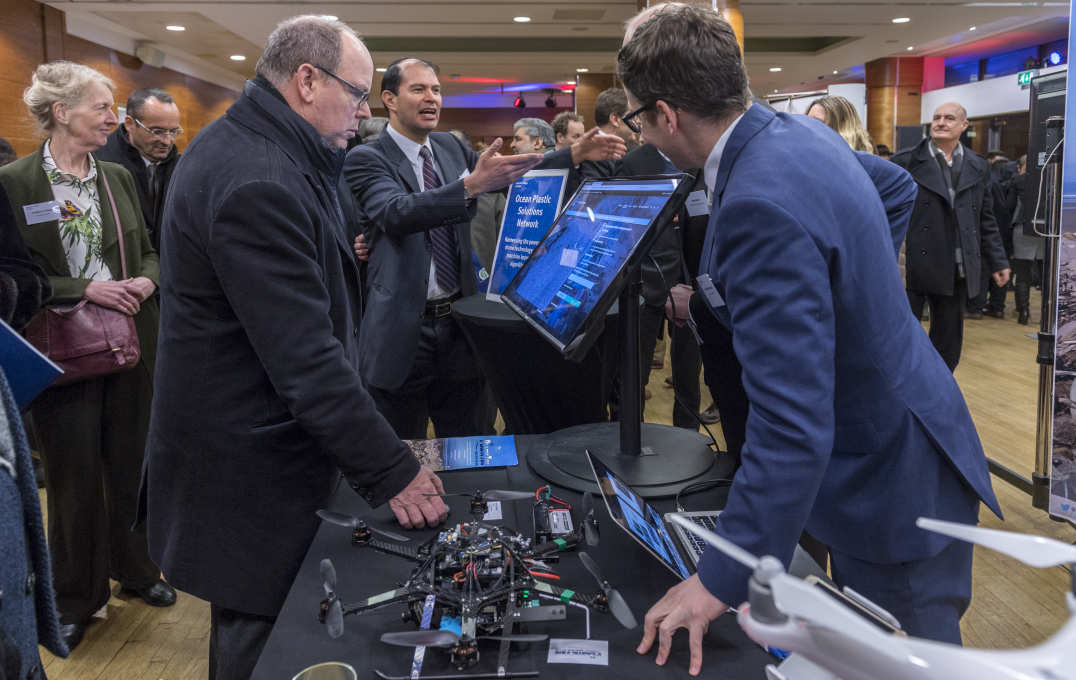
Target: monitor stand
655	460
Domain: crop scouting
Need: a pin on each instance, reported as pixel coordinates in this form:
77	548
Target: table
536	389
298	640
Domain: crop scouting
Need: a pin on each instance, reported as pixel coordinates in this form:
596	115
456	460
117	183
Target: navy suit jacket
396	214
856	427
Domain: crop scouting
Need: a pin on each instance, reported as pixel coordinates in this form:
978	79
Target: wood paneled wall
894	86
32	33
588	87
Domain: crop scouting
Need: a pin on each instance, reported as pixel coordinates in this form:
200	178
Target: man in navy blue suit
856	426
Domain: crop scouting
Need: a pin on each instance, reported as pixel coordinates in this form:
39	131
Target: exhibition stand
298	640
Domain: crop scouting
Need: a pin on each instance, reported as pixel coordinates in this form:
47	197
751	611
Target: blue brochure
464	453
533	203
28	370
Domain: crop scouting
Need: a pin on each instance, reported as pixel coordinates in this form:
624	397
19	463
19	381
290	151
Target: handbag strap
116	217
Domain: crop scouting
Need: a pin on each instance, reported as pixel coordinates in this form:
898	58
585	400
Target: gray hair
59	81
536	127
304	39
686	56
371	128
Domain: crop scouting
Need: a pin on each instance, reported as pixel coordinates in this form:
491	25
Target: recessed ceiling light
901	20
775	91
910	47
775	69
521	20
175	27
381	70
238	57
330	17
835	71
582	70
972	28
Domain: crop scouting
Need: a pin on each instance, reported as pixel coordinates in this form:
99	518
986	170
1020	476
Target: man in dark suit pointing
415	190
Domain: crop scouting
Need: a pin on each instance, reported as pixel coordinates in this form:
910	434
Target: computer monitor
567	285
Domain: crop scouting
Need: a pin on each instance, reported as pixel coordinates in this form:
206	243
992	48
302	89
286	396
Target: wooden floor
1013	605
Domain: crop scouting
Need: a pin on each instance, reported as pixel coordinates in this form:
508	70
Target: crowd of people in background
410	200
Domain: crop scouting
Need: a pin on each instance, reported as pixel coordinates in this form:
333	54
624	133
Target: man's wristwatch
467	195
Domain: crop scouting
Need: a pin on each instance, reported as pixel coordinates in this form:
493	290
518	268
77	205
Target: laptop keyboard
697	544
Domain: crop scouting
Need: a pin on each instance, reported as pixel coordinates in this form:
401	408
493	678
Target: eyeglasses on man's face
158	131
354	90
630	118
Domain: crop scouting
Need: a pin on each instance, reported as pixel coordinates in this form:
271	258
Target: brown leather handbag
87	340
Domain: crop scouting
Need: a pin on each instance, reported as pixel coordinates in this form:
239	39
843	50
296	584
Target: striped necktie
443	238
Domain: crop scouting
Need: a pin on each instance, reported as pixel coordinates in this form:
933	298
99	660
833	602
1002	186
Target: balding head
949	122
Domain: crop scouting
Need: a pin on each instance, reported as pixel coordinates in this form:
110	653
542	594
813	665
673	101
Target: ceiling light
238	57
910	48
521	20
835	71
972	28
175	27
775	69
901	20
381	70
582	70
330	17
519	103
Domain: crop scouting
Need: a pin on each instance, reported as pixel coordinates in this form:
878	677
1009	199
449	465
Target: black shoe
160	594
1022	317
72	634
973	315
710	415
994	313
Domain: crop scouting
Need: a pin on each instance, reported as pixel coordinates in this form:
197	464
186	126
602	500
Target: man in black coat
146	145
952	229
258	399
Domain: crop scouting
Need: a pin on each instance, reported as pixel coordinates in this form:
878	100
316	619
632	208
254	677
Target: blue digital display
577	261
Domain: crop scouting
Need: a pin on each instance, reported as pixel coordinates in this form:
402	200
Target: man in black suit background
415	190
952	229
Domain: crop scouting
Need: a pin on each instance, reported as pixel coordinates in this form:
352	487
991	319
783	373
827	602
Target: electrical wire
699	486
1038	196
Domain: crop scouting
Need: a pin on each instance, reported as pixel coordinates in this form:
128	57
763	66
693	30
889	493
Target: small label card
588	652
493	511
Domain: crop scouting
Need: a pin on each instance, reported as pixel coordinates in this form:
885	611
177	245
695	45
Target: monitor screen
638	518
570	276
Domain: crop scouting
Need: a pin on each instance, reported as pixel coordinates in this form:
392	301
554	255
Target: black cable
672	376
700	486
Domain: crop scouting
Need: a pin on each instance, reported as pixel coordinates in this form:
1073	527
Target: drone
474	581
786	612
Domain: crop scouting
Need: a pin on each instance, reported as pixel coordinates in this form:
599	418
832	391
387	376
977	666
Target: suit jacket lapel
971	174
43	237
754	119
110	252
924	167
447	160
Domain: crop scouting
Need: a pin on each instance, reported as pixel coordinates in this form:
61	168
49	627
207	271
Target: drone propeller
446	638
334	615
350	522
618	607
491	495
1036	551
590	521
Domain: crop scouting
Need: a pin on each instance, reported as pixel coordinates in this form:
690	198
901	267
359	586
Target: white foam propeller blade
1037	551
721	543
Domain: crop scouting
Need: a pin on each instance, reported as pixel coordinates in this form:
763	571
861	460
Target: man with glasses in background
146	145
258	402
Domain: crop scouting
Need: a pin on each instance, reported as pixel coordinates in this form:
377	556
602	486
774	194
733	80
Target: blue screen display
582	254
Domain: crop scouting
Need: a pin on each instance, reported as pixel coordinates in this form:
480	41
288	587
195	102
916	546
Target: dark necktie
443	238
151	185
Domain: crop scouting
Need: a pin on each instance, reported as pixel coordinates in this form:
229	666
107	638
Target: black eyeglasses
352	89
629	118
159	132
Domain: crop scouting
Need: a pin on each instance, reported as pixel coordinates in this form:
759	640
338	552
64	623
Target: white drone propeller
1036	551
792	595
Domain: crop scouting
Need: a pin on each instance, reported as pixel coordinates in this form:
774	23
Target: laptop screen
579	259
635	516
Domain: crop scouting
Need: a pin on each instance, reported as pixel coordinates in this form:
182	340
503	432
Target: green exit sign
1024	77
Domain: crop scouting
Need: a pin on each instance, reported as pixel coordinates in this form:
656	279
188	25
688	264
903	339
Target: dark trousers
686	364
91	437
236	640
928	596
721	372
651	320
1023	272
444	385
946	321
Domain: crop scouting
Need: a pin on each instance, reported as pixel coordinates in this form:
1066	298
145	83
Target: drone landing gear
467	676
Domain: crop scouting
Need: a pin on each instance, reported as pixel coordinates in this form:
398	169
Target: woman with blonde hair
838	113
91	433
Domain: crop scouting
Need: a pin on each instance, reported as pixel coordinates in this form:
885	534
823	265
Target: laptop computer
665	540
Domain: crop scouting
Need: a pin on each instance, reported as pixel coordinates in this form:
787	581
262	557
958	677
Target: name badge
697	203
36	213
709	291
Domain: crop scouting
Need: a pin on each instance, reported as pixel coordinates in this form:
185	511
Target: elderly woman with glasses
91	433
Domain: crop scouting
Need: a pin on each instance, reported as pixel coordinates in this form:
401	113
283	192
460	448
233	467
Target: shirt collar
48	164
958	152
409	147
713	161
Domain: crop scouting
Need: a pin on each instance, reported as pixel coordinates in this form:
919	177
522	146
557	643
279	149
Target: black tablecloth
536	389
298	640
